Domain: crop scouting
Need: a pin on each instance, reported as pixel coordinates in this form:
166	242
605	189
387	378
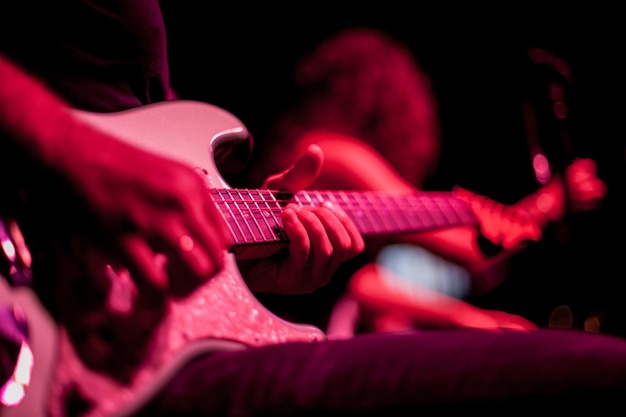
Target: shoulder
340	146
350	163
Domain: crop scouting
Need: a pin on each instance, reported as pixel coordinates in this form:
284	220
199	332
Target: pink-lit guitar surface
222	313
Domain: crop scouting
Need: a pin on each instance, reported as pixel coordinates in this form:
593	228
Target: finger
207	242
356	244
301	175
337	235
299	243
147	272
214	213
206	226
584	164
321	248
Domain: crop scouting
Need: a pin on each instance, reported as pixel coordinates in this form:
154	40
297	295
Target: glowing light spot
24	367
22	249
12	393
561	318
421	273
9	250
592	324
545	202
541	167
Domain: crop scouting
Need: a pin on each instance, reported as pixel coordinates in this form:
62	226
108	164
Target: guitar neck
254	216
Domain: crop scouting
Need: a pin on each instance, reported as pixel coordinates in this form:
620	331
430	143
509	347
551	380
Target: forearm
39	137
32	119
422	305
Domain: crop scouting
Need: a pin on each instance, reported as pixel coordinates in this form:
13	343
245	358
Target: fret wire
373	220
391	217
363	201
229	216
279	229
366	207
385	218
255	205
296	198
421	204
251	215
319	197
246	231
449	212
322	196
463	210
334	198
301	198
422	207
345	200
415	218
457	209
438	202
275	229
366	211
405	219
396	216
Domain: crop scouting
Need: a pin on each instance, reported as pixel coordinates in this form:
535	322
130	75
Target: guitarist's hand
320	238
135	207
503	225
585	189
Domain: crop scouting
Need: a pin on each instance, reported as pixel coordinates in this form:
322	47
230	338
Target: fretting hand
585	189
320	238
503	225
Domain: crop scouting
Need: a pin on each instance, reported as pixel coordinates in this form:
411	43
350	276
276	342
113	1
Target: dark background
240	57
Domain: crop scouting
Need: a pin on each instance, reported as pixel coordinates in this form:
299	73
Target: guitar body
222	314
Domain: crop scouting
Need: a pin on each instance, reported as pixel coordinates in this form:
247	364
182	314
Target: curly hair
364	83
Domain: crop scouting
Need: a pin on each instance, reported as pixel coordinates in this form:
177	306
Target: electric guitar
222	313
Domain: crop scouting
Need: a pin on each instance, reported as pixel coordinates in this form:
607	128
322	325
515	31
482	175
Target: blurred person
362	96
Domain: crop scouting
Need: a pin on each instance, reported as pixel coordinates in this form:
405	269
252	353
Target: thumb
301	174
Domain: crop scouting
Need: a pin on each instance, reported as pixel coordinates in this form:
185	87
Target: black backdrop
240	57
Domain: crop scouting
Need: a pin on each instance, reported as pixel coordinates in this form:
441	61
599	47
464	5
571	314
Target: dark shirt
100	55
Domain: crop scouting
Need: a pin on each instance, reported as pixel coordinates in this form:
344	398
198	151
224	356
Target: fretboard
254	216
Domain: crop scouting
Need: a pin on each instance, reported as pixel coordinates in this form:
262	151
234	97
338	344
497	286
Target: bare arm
393	309
74	181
